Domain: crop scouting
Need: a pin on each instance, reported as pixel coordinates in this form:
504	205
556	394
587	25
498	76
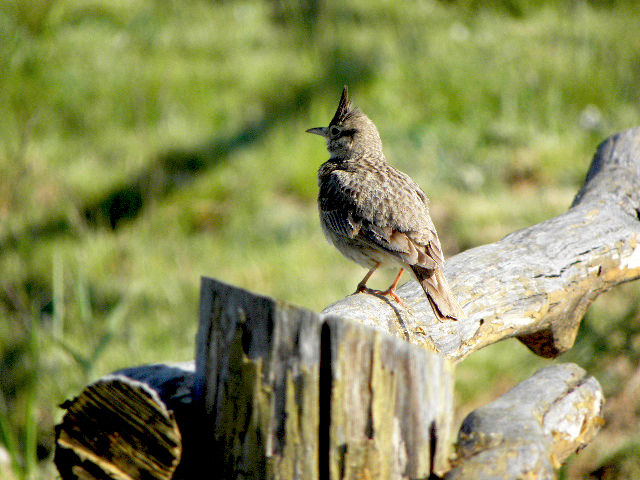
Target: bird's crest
345	109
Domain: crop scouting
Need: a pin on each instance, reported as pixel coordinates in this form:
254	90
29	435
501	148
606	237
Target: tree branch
529	431
536	283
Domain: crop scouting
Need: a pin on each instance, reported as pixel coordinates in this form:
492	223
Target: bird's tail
440	296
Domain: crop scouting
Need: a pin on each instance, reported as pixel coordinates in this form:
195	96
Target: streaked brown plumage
376	215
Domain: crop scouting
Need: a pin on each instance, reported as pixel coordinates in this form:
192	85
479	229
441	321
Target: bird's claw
391	292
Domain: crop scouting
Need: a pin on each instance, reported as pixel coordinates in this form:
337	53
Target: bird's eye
335	131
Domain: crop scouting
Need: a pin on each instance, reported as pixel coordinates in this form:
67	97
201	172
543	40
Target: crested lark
376	215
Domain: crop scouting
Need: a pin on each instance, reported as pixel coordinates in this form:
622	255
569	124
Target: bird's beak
322	131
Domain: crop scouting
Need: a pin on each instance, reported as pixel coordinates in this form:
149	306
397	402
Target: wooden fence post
288	394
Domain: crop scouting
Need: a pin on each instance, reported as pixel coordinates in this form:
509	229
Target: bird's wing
396	220
336	202
341	222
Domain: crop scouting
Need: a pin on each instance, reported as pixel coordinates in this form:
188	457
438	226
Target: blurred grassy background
145	144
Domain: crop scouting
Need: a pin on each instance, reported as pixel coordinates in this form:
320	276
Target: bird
376	215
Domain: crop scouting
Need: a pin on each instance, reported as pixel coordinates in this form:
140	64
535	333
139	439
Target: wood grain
287	394
119	427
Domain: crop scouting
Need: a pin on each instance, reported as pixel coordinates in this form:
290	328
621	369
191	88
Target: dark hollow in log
536	283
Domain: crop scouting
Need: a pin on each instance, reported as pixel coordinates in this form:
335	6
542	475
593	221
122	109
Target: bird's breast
360	251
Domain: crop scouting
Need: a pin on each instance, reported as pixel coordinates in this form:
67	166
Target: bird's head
350	131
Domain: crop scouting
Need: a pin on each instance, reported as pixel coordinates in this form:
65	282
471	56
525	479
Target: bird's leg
391	291
362	286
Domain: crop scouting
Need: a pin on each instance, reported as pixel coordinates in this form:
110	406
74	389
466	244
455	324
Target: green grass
146	144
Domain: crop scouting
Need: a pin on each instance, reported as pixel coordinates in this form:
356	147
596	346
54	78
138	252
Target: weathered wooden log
530	430
282	392
125	425
536	283
290	395
297	396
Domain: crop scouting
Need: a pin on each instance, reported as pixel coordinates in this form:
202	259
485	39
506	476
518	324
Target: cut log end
118	428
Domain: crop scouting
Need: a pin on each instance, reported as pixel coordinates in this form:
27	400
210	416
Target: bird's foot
391	292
